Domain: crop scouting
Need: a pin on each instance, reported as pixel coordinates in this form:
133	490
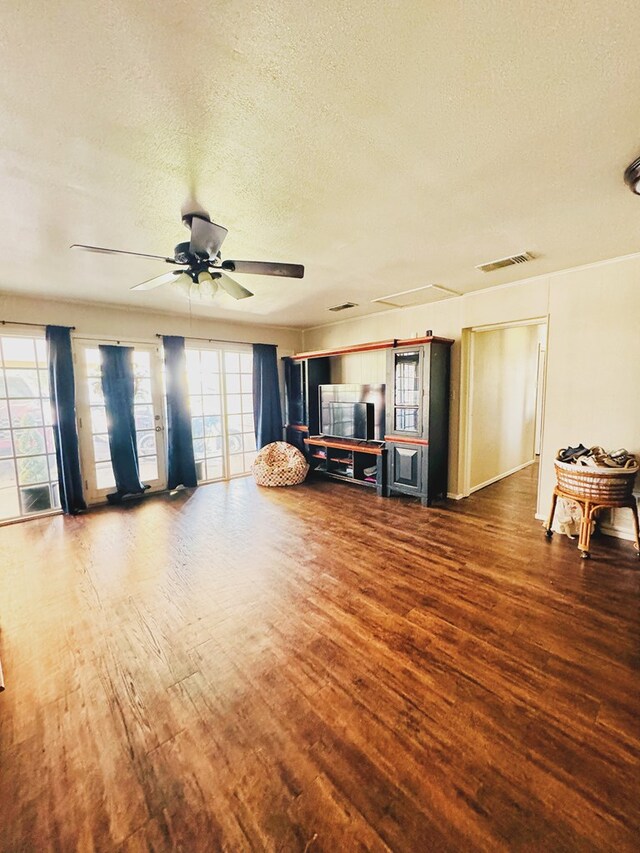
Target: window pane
246	362
141	363
201	471
211	405
212	425
249	459
196	405
235	442
142	392
146	443
247	423
148	468
236	464
249	441
41	352
4	414
32	469
233	404
210	383
214	446
55	496
235	423
6	445
3	387
197	427
210	361
53	467
231	362
246	383
44	382
101	451
193	371
247	403
35	499
215	470
233	383
48	435
95	392
98	419
22	383
104	475
25	413
28	442
19	352
46	410
144	417
198	448
9	503
93	362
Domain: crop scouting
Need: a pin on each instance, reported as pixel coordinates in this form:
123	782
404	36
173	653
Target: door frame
466	392
93	494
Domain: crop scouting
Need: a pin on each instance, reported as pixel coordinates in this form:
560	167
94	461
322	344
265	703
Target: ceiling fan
201	269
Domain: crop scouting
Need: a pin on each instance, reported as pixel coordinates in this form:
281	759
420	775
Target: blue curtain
182	467
63	408
118	390
267	412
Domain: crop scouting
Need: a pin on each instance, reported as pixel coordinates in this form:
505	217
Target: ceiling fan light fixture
207	287
183	284
632	176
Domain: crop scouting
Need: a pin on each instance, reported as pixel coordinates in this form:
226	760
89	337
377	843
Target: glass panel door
406	384
221	398
28	471
148	412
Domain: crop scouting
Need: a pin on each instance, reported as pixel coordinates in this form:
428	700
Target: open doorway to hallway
506	369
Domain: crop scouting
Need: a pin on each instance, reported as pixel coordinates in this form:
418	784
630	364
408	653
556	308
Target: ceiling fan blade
264	268
237	291
206	237
103	251
157	280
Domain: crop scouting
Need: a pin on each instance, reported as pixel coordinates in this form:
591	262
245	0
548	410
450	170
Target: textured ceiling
384	145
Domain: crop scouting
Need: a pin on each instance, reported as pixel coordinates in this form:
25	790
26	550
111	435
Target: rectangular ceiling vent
344	306
416	296
506	262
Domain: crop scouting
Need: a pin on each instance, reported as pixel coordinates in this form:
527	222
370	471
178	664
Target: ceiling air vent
506	262
344	306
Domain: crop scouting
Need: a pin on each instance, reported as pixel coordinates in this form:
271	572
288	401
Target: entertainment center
394	437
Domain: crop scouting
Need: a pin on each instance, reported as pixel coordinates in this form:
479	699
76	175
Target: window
28	471
221	398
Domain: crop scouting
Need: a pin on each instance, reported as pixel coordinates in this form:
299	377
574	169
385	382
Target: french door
92	418
220	384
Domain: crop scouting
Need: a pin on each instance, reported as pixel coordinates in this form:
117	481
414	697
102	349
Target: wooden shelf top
371	346
345	444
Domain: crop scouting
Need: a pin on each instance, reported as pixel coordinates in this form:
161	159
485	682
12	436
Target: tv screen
372	396
347	420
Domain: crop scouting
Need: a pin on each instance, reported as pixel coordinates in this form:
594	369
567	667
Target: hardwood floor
317	669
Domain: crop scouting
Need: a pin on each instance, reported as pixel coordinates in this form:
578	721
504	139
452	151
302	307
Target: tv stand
350	460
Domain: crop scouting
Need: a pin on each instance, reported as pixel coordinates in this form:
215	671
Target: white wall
593	355
95	320
502	413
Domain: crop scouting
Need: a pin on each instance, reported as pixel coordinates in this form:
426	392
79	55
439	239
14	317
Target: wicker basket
596	484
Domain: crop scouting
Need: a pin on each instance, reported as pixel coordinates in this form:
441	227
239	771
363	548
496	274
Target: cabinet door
404	416
295	382
406	464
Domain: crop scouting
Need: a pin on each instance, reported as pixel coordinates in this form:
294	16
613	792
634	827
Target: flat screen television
352	411
348	420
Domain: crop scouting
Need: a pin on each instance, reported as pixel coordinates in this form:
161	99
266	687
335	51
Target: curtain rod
215	340
35	325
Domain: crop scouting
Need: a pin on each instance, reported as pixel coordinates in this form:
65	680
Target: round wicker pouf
279	464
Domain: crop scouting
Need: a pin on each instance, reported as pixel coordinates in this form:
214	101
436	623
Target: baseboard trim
607	529
501	476
453	497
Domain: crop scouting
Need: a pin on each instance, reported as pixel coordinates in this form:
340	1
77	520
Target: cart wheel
548	533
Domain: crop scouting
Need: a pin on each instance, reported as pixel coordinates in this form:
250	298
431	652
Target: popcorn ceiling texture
384	145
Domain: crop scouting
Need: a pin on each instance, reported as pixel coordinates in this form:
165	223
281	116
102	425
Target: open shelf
347	460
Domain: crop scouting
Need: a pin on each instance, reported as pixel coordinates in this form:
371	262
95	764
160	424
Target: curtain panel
182	466
267	411
118	387
63	409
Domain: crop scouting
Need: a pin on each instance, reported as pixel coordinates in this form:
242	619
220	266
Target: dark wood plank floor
317	669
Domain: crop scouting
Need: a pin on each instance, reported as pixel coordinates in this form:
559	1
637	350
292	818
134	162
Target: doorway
505	400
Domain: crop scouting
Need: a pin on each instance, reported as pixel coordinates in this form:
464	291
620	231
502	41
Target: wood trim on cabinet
371	346
401	439
298	427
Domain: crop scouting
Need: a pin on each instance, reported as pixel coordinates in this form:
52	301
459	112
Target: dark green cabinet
302	379
417	419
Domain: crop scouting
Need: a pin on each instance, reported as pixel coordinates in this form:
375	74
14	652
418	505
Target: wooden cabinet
417	419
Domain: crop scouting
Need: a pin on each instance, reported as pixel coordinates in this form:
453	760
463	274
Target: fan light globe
183	285
207	287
